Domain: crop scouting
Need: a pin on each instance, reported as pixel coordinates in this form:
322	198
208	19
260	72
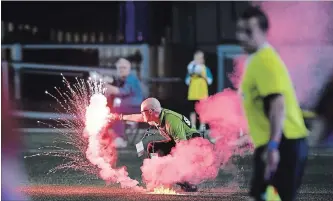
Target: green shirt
175	126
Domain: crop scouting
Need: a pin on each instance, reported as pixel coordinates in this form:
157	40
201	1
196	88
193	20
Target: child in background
198	78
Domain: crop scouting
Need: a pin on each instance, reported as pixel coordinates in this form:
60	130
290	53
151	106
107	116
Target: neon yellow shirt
267	74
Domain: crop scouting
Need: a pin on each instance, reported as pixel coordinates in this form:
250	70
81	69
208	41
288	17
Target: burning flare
101	150
165	191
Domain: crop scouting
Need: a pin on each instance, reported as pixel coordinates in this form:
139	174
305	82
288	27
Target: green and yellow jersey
175	126
266	74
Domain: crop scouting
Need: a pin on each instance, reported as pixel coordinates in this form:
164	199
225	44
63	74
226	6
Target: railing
17	64
16	57
112	50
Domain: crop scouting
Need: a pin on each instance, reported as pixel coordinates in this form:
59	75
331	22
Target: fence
16	57
17	65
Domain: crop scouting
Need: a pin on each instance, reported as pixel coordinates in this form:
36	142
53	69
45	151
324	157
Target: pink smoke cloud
224	114
192	161
302	33
236	76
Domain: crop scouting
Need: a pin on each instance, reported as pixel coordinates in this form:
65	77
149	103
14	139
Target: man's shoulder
262	54
170	113
171	116
266	58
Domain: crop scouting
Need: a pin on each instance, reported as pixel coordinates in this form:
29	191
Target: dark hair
256	12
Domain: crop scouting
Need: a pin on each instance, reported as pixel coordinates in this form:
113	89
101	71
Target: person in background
198	78
127	98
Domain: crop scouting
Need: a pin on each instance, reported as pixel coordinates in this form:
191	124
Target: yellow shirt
198	88
267	74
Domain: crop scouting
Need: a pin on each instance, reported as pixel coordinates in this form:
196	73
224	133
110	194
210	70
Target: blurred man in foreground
127	98
198	78
12	171
173	126
274	116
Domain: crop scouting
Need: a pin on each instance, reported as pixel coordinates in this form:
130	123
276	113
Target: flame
164	190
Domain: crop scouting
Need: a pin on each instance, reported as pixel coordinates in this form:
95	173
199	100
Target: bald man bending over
173	126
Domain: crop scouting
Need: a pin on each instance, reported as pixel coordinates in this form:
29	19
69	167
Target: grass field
231	183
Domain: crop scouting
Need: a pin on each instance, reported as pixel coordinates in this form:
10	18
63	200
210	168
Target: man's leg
288	177
193	115
258	183
162	148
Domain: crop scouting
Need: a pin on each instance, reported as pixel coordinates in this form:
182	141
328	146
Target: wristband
121	117
272	145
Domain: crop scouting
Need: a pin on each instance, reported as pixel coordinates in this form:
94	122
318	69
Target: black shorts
288	177
163	148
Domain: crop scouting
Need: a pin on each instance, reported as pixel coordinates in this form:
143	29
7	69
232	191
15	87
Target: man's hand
115	117
111	90
272	159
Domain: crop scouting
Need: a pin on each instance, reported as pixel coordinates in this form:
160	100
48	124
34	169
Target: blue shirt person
198	78
128	97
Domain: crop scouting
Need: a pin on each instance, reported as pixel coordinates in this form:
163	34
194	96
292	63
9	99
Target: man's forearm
276	117
133	117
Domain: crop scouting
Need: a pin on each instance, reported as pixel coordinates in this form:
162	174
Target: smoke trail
101	151
302	34
238	68
228	125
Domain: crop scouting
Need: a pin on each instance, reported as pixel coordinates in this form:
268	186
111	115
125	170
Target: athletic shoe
187	187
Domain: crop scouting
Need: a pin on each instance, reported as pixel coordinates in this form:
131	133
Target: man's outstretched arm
130	117
133	117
